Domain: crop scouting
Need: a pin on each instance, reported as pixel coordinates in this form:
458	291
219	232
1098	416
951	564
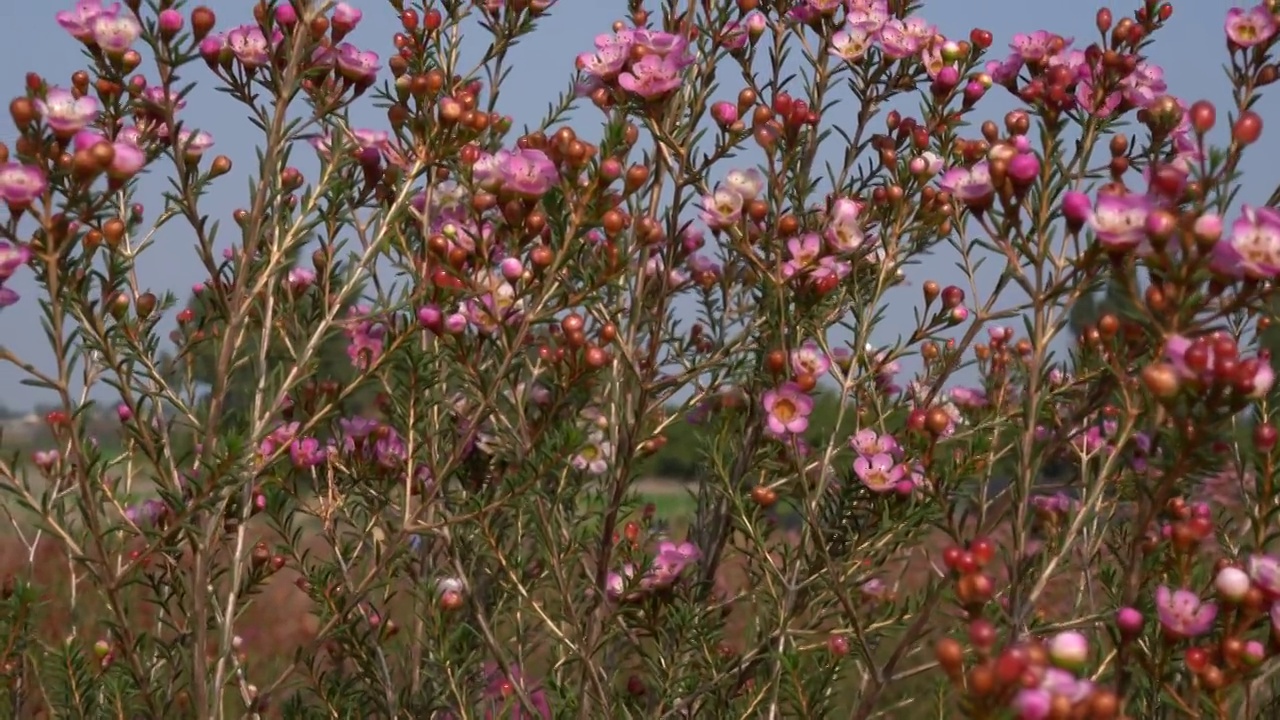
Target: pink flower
879	472
669	561
115	34
971	186
249	46
1144	85
12	257
346	17
306	453
788	408
851	43
366	338
1035	47
844	228
1264	571
1119	221
595	455
527	173
162	99
495	304
1253	248
809	358
128	161
871	443
79	22
668	45
194	142
1182	614
804	252
65	113
867	15
299	279
747	183
1005	72
20	185
734	36
901	39
722	209
371	145
1251	27
652	77
356	65
604	64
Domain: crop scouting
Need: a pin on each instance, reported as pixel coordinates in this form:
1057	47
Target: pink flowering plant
394	456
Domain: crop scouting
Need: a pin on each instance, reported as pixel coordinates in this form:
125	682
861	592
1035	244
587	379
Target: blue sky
1191	50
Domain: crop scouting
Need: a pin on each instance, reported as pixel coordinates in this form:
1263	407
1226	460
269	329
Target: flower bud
1232	584
1069	650
1076	209
1129	622
1161	379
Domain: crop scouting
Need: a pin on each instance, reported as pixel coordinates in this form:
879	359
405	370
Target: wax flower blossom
810	359
496	302
1252	250
12	257
194	143
595	455
64	113
526	173
803	253
869	443
299	279
1119	221
669	562
788	409
1264	571
1182	614
306	453
722	209
20	185
79	21
901	39
357	66
829	272
970	185
879	473
366	338
851	43
844	233
282	436
346	17
869	16
1252	27
115	34
1037	47
250	46
645	63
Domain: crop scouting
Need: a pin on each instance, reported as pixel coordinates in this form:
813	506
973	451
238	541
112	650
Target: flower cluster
647	64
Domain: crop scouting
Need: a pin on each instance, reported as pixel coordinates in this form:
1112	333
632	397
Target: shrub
392	461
